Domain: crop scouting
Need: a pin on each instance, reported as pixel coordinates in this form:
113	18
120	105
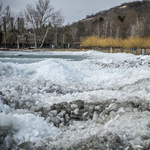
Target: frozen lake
31	57
63	100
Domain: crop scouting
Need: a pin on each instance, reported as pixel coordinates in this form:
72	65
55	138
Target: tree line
42	26
38	24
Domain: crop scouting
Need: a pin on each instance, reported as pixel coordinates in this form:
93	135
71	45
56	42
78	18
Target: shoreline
38	50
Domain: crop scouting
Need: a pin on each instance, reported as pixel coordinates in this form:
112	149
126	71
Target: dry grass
129	43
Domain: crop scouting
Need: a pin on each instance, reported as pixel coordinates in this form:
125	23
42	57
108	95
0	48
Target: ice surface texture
62	104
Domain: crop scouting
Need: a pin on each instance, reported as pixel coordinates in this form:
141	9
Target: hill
127	20
139	7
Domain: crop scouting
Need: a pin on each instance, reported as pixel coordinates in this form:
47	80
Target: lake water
31	57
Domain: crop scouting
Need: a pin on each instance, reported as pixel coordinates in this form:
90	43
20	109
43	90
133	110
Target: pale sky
73	10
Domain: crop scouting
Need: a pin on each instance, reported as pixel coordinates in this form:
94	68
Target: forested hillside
128	19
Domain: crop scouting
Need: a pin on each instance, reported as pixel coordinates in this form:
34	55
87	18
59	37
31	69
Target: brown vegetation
130	43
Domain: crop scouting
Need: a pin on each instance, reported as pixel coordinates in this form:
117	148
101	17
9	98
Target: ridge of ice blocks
74	100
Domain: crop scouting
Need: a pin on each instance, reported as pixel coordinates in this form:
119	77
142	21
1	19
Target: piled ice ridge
99	102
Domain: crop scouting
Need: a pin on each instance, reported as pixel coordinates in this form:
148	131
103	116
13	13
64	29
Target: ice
35	133
5	122
32	128
4	107
76	111
7	142
118	83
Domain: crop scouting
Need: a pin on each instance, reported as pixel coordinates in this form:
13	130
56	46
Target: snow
123	7
117	79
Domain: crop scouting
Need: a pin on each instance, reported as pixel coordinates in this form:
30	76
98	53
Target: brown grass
129	43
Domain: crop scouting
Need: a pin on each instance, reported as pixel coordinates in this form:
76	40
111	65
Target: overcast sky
73	10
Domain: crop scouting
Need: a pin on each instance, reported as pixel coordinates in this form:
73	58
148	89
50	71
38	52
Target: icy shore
100	102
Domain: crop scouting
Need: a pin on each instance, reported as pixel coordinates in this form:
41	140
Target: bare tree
31	18
42	14
137	29
4	12
97	30
105	28
4	21
118	32
18	28
57	21
98	24
111	28
73	32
